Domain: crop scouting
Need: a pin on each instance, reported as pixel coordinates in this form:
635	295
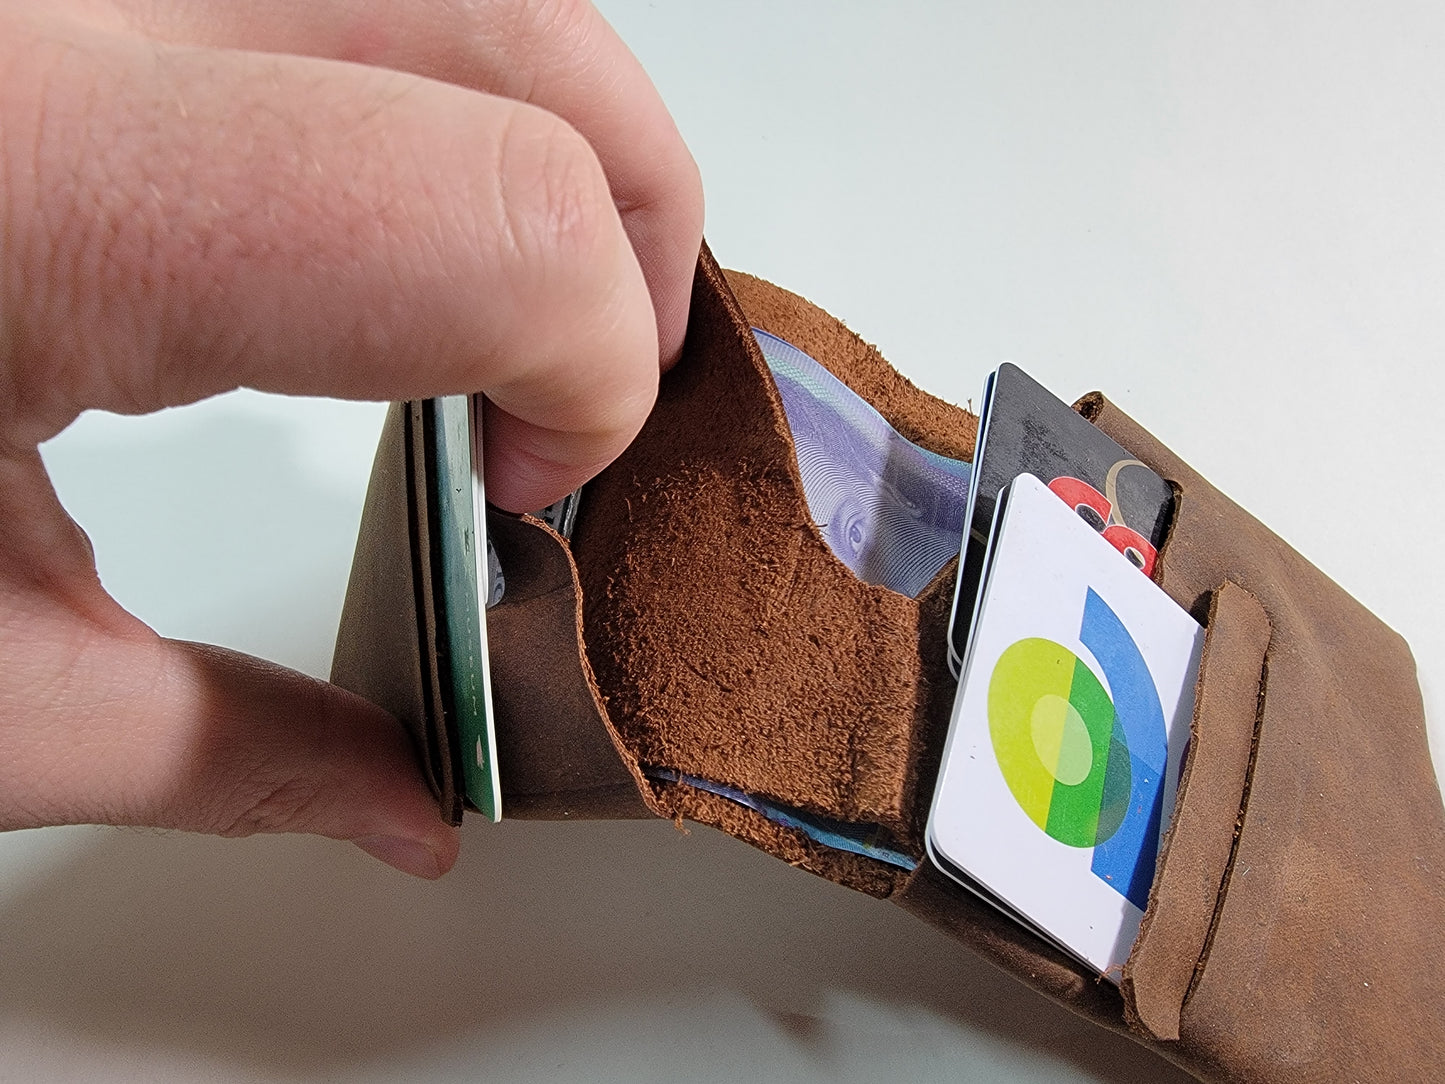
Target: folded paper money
890	510
699	640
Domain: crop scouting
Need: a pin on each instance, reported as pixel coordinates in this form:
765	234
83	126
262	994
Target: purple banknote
890	510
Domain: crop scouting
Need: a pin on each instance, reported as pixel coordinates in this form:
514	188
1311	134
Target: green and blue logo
1086	766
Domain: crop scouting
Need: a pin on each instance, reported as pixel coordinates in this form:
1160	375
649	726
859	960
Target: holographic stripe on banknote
890	510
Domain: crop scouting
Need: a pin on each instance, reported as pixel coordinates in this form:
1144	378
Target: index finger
186	221
560	56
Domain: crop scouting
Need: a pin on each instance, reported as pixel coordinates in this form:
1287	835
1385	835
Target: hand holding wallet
699	624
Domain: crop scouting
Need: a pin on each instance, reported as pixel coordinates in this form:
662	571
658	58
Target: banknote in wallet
891	511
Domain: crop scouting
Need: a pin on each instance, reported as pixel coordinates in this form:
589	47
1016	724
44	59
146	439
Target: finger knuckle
86	244
32	235
532	30
557	208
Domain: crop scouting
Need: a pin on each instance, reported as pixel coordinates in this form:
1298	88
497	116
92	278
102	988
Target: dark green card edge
460	505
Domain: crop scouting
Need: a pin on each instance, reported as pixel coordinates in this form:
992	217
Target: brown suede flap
728	641
557	757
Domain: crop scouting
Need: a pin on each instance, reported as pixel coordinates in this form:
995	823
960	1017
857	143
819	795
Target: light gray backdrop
1228	216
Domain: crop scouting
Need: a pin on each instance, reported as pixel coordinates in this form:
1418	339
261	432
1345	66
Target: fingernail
407	855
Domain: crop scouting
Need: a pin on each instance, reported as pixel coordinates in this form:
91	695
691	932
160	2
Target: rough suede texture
727	640
1296	922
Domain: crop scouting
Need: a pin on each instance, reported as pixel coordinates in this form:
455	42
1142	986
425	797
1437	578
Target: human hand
343	197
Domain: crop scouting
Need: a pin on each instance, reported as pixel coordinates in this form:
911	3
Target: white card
1068	729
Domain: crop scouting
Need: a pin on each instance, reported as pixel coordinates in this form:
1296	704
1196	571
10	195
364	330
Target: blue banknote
891	511
864	839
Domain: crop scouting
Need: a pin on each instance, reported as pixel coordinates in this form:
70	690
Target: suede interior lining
929	422
557	754
727	640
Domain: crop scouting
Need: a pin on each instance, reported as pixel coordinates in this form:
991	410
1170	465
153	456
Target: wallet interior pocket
729	644
559	756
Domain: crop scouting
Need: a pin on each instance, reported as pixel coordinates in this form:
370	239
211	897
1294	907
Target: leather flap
557	755
1323	959
1193	865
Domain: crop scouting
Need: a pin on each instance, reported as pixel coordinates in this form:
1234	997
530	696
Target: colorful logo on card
1084	762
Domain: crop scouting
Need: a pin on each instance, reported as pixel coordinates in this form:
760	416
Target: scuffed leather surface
1324	962
726	642
1194	861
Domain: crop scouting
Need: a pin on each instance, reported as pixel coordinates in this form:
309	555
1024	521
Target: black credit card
1025	429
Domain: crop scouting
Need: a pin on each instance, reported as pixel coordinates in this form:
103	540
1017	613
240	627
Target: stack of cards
1076	679
1068	729
1025	429
470	579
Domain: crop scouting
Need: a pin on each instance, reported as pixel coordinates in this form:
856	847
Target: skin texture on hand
354	199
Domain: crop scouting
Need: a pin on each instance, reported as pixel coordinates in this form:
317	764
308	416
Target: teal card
461	519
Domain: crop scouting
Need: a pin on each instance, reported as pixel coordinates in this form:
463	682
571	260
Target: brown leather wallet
698	623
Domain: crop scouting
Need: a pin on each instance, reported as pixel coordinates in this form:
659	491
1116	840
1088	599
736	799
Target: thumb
255	747
104	723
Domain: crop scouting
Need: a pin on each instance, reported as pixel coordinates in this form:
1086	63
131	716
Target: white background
1228	216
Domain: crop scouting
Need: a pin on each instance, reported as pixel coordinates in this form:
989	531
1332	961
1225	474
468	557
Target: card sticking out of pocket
1068	730
1023	428
468	581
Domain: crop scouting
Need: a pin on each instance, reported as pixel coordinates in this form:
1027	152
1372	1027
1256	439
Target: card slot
386	647
1313	962
1190	880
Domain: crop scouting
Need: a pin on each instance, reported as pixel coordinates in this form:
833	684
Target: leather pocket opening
728	642
559	756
